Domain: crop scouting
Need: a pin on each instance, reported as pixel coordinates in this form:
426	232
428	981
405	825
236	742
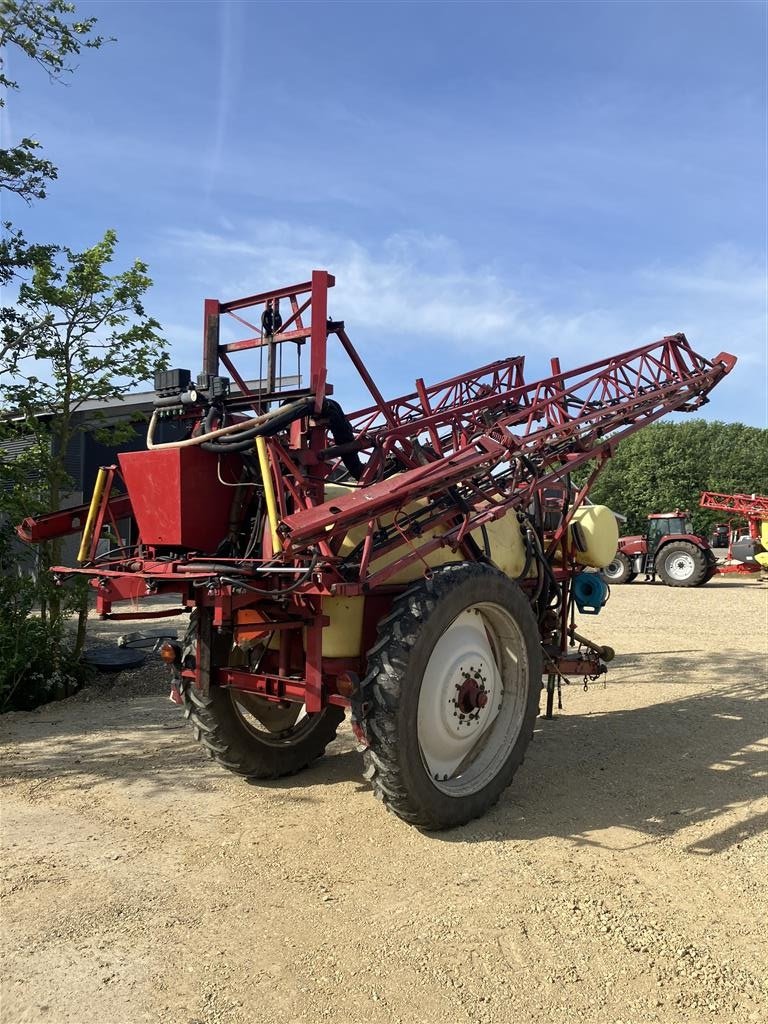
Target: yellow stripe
98	491
269	492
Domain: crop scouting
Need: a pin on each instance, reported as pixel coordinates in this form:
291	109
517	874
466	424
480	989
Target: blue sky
483	179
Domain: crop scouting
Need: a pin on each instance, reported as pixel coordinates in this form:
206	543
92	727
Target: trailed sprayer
418	562
747	551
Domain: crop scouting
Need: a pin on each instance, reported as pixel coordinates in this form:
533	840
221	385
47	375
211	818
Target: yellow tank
504	539
600	532
343	637
506	544
762	556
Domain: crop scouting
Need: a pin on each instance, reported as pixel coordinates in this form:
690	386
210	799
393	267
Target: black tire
711	571
682	564
227	728
394	762
619	570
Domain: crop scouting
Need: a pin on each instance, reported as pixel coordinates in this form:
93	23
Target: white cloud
428	307
723	274
414	285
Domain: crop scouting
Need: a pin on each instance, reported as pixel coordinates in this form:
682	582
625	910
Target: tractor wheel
682	565
711	571
619	570
452	694
250	735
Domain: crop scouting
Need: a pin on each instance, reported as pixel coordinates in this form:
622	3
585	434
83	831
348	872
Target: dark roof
143	401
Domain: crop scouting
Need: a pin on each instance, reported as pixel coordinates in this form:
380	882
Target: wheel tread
224	739
382	687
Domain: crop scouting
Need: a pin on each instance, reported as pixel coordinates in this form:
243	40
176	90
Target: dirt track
621	878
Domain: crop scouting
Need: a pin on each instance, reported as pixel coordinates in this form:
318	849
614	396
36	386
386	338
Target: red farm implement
419	561
747	551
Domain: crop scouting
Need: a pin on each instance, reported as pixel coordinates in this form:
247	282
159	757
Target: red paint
177	498
469	450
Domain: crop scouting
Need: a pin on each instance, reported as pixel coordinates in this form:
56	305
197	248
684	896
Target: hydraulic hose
246	430
279	420
343	433
239	437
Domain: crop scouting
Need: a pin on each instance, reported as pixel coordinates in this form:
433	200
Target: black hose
529	551
276	423
486	542
343	433
340	428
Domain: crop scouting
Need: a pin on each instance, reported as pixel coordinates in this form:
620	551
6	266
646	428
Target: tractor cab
664	525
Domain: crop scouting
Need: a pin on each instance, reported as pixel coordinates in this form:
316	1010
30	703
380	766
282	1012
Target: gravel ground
620	879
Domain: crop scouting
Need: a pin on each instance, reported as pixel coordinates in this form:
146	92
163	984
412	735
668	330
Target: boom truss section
747	506
485	443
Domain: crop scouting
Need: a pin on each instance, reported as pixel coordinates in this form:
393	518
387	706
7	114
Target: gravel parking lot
621	878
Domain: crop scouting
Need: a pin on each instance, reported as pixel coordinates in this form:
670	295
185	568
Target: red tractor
669	548
720	535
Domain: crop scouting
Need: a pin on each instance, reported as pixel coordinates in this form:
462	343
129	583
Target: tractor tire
682	564
619	570
451	695
245	733
711	571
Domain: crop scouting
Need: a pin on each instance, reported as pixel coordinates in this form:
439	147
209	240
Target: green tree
75	333
87	336
50	34
667	466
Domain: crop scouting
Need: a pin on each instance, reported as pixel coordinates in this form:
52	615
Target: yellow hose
269	492
93	511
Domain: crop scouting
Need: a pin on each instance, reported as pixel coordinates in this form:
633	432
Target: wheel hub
460	697
471	695
680	566
472	699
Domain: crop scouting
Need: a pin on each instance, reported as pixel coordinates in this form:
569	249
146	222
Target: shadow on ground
652	770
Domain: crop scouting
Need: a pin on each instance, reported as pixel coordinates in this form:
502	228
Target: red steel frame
751	507
480	446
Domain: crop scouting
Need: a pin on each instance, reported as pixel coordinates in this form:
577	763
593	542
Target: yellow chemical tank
504	539
600	533
762	556
342	638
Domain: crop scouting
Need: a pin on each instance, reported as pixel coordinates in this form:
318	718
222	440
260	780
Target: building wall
84	455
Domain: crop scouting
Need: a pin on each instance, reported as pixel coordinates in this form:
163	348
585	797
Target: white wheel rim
680	566
473	699
613	569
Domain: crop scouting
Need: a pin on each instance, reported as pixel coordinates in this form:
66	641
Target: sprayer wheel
682	565
451	695
249	735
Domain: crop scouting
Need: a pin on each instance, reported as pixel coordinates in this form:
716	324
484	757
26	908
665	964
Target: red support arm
35	530
750	506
